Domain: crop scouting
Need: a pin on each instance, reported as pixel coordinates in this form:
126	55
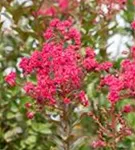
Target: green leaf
78	143
31	139
11	134
42	128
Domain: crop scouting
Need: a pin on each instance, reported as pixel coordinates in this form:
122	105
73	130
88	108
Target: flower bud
30	115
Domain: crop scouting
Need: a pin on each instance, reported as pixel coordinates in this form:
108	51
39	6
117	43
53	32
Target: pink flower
90	64
133	25
75	35
98	144
127	109
56	68
28	87
127	75
48	12
90	53
134	2
59	67
104	66
115	86
52	101
24	64
63	4
67	100
48	34
122	1
83	98
128	132
125	63
54	22
30	115
11	79
28	105
113	96
133	51
89	61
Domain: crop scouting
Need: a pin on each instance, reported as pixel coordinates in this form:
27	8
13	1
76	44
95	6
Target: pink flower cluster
133	25
104	66
63	4
52	10
111	6
127	108
115	86
11	79
57	7
98	144
122	84
90	62
57	67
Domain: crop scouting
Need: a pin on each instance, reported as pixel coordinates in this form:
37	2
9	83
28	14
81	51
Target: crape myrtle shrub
60	89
